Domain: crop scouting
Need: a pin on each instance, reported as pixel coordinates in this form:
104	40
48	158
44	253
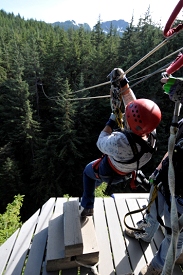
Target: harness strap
115	169
168	229
95	166
153	197
132	182
131	213
145	148
159	219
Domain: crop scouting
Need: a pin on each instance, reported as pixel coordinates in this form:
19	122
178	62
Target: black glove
117	78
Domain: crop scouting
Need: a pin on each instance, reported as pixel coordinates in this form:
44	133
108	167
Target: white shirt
117	147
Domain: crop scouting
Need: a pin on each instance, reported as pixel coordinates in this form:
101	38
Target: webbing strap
159	219
131	213
147	208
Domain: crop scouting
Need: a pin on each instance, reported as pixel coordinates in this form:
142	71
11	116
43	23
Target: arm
120	92
160	164
127	94
156	171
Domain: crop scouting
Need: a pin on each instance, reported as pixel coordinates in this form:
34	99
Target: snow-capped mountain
119	25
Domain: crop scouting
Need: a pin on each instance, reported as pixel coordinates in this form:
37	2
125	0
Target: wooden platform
25	252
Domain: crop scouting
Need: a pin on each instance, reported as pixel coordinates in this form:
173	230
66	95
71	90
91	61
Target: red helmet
143	116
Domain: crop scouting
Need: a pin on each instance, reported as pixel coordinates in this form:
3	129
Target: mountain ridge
120	25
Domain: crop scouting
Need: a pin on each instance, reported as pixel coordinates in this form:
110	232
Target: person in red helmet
124	151
143	116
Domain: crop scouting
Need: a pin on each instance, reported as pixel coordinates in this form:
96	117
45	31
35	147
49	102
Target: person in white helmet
123	151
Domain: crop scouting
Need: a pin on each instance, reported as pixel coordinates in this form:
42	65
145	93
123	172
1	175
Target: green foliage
10	220
100	191
47	138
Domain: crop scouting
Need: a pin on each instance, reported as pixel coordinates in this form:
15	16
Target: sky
89	11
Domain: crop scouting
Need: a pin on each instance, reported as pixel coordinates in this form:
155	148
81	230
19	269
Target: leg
89	182
159	259
151	217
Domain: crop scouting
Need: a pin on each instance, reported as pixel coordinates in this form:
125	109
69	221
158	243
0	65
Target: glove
142	181
112	121
117	78
153	176
174	88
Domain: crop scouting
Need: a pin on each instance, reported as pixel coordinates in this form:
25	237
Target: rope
152	197
148	54
156	62
109	82
170	259
92	267
106	96
171	254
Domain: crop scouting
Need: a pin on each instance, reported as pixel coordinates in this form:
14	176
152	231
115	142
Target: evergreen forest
48	135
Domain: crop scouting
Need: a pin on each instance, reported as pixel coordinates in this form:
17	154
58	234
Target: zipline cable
108	82
156	62
107	96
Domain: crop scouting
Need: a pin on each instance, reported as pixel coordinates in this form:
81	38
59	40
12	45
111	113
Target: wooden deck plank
105	260
22	244
5	250
45	272
73	271
35	259
133	246
118	253
90	255
148	249
58	210
59	205
122	264
73	241
55	245
131	195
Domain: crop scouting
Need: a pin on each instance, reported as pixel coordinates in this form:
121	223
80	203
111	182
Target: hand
153	176
174	88
115	76
118	78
